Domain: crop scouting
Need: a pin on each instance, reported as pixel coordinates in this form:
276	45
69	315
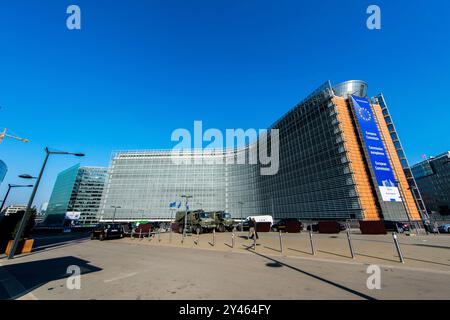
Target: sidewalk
424	252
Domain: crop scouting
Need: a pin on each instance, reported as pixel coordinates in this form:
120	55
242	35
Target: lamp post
33	194
242	218
187	197
10	186
115	209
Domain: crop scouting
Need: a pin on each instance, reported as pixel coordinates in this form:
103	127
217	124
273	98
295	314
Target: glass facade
433	179
3	170
315	180
143	183
77	189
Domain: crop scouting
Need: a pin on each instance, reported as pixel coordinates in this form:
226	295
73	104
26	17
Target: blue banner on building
375	149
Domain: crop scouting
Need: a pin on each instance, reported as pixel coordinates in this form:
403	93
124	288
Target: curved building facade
328	169
3	170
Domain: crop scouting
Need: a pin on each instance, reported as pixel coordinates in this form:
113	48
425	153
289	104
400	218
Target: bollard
254	240
214	237
313	252
159	235
140	234
232	240
170	235
349	238
198	236
397	246
281	242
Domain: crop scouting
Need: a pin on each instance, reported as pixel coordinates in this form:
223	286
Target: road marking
121	277
13	287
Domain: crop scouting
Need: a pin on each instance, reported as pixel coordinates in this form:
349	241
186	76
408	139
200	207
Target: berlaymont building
340	158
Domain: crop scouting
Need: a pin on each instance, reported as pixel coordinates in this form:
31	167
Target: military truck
197	221
223	221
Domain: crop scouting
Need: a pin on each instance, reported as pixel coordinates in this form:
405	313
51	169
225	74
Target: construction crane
4	134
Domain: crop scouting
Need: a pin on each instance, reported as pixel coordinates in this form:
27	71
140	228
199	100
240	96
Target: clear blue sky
140	69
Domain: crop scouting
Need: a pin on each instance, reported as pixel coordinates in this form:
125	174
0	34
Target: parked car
396	226
283	223
107	231
445	228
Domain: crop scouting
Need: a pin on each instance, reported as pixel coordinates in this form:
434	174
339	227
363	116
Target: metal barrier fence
347	240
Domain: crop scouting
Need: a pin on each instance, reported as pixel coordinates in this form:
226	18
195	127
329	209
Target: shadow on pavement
273	249
431	246
335	254
277	263
428	261
20	278
305	252
51	241
368	256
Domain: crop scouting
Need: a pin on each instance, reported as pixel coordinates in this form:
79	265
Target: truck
223	221
198	221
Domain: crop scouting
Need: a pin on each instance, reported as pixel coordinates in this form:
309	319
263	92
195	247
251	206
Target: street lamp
30	201
242	218
187	197
26	176
10	186
115	209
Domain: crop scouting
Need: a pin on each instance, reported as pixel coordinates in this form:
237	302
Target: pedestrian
250	229
253	228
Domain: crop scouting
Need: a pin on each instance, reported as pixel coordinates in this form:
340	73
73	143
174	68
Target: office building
76	196
12	209
337	160
3	170
433	179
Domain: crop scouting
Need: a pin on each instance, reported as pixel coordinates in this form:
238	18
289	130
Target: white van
258	219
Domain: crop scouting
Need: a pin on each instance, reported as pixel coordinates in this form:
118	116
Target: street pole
242	218
114	214
187	197
397	246
170	226
311	241
27	210
349	238
24	220
10	186
6	197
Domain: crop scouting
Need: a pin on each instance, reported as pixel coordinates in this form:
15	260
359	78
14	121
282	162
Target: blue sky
140	69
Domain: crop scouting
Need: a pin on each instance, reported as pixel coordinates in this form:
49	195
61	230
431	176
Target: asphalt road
123	270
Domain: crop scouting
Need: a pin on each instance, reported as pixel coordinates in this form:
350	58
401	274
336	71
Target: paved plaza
159	269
